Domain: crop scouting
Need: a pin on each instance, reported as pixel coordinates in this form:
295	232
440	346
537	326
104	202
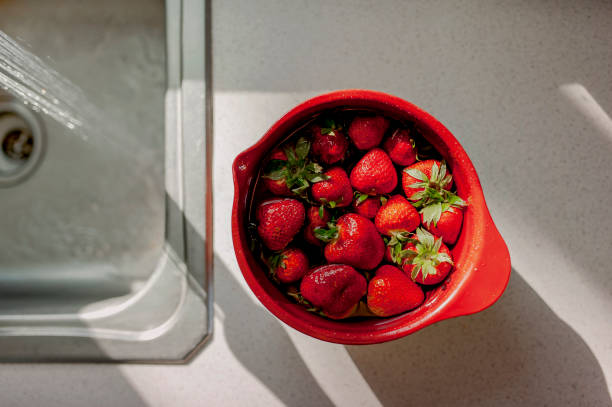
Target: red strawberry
444	219
277	186
428	260
329	143
290	172
278	221
397	218
334	288
426	180
392	292
374	174
353	241
289	266
366	205
367	131
335	191
400	147
316	217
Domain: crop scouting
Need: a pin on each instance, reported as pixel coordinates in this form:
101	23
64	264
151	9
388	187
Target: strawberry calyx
397	240
433	211
432	189
426	256
360	197
326	234
330	127
297	171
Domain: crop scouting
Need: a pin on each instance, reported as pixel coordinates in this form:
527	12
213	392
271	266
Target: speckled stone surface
525	87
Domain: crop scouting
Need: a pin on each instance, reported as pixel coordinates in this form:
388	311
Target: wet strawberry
290	172
354	240
374	174
335	191
391	292
426	181
444	218
400	147
397	217
289	266
277	186
316	217
366	205
428	260
366	132
278	221
334	288
329	144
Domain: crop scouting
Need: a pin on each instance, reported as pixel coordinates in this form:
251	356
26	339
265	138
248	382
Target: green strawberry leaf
360	197
431	213
326	235
418	174
302	147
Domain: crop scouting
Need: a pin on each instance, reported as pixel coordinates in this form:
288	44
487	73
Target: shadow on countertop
518	352
261	344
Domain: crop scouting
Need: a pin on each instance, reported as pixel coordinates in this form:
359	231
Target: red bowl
482	261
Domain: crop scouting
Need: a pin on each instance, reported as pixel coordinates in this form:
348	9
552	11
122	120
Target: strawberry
290	172
366	205
397	218
427	260
353	240
366	132
444	218
400	147
316	217
334	288
426	181
392	292
335	191
277	186
374	174
279	220
289	266
329	143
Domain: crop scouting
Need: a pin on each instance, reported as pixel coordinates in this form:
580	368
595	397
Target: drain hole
18	144
22	142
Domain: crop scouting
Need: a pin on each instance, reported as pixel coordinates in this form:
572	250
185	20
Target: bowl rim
485	267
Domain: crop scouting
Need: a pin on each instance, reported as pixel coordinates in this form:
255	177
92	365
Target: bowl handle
489	278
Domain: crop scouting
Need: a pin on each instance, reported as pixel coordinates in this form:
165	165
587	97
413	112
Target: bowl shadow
518	352
262	345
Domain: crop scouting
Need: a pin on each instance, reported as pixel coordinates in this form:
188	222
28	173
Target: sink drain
22	142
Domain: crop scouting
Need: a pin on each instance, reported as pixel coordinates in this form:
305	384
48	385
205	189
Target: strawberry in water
316	217
366	132
290	172
374	174
329	143
391	292
278	221
353	240
335	190
334	288
400	147
289	266
367	205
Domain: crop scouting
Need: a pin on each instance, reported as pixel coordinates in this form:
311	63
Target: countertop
526	87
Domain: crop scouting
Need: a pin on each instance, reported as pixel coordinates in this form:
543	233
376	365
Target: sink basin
103	249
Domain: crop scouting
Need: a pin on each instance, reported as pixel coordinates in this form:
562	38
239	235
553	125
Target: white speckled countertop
525	87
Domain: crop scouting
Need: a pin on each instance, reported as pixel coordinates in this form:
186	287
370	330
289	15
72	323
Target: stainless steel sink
103	249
